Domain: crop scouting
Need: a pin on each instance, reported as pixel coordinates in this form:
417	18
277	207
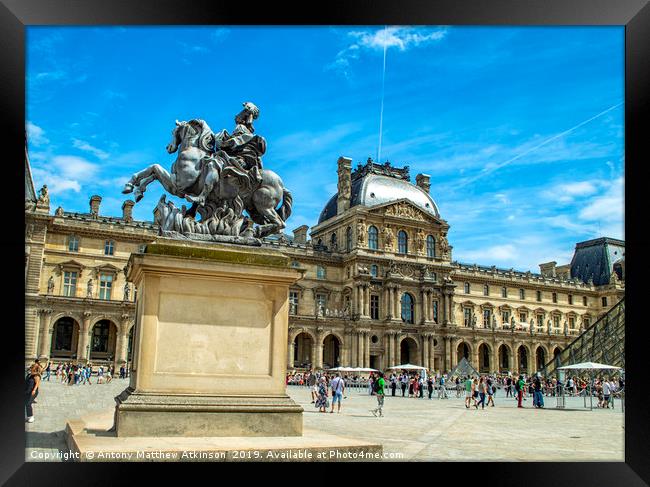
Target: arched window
348	239
431	246
403	242
373	241
333	241
100	336
407	308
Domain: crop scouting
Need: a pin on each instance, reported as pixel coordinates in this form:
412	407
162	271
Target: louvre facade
380	284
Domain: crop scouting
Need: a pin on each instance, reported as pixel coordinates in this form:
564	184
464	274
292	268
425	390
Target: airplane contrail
484	172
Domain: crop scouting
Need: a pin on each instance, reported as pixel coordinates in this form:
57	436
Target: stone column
355	300
432	354
511	359
423	307
475	358
360	353
366	361
450	303
122	345
443	298
494	366
83	353
396	304
429	307
366	300
425	351
389	351
46	333
445	358
453	353
290	353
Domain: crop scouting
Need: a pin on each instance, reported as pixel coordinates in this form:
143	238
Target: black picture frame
633	14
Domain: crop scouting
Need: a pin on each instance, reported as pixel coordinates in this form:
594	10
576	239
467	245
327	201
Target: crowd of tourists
67	373
479	390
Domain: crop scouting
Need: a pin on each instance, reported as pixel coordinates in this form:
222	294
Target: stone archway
484	358
303	345
65	338
103	340
408	351
463	350
556	351
504	358
522	359
540	357
332	347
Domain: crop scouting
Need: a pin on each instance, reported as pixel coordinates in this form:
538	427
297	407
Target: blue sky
520	128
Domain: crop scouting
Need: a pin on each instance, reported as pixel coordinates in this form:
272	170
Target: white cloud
608	207
74	167
85	146
399	37
499	253
36	135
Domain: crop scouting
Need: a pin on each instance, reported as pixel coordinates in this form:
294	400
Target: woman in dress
321	402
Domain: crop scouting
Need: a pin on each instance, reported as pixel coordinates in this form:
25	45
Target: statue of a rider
240	154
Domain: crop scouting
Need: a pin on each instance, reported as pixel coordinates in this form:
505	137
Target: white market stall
590	367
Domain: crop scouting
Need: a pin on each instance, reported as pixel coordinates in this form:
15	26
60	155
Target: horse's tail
287	200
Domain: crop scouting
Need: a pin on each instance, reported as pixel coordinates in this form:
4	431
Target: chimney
345	184
127	211
423	181
94	205
548	269
300	234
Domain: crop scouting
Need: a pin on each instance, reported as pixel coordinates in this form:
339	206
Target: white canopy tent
591	367
410	367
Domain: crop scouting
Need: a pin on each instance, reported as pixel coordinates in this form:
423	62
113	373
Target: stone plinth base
90	440
198	416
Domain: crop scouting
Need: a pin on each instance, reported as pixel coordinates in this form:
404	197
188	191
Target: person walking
404	381
538	397
379	391
48	371
393	385
338	386
469	392
490	392
482	392
519	387
509	387
321	400
430	385
32	384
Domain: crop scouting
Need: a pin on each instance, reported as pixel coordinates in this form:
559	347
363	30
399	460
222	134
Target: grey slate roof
594	259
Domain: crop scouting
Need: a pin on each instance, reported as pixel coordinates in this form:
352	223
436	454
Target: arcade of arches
374	349
100	340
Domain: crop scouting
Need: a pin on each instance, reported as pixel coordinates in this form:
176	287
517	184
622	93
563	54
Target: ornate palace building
380	285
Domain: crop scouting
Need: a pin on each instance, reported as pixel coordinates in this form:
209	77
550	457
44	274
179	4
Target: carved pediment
72	265
107	269
405	209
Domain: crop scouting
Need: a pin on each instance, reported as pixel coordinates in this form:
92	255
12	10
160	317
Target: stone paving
412	429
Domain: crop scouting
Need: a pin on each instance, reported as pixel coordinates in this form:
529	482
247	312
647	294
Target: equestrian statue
222	176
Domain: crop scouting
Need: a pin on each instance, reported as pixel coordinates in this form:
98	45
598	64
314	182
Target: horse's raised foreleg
142	179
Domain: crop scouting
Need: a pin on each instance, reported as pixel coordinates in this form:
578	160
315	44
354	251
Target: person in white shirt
338	387
607	390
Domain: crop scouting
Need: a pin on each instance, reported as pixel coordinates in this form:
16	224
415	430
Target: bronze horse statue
196	176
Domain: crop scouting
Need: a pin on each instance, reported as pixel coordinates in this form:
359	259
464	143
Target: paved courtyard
412	429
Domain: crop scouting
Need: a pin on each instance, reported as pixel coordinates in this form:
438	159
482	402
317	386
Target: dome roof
377	189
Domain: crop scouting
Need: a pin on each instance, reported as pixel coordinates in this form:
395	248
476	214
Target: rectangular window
321	304
293	302
486	318
522	294
504	292
572	323
70	283
584	300
556	322
467	317
555	297
109	247
604	299
467	288
320	272
505	317
435	311
486	290
73	243
374	307
540	321
570	298
105	286
523	317
539	295
587	322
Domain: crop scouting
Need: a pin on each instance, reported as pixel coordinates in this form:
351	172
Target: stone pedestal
210	343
